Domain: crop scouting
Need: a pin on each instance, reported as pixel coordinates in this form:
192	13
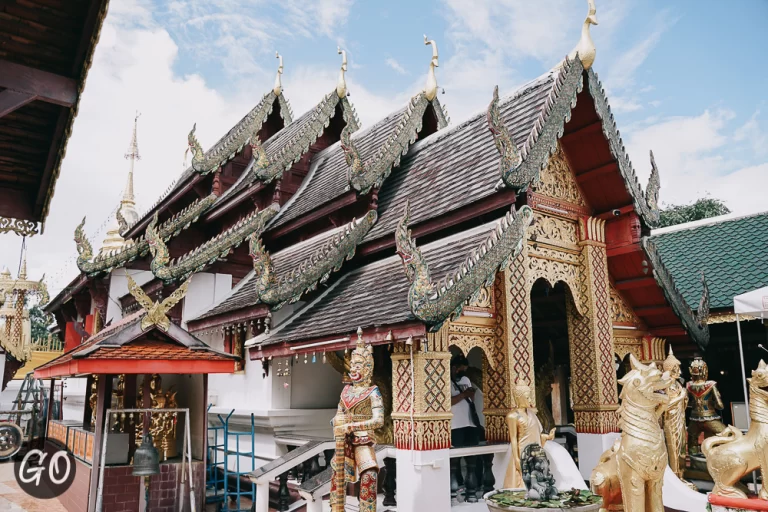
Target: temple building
520	238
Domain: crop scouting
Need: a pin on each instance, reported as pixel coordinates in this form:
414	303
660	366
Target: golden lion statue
732	455
635	463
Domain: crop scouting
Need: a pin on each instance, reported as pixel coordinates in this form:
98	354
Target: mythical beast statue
731	455
636	462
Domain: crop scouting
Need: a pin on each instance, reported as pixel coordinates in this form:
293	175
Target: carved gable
557	180
621	313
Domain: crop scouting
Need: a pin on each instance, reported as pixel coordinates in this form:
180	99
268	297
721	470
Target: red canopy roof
128	349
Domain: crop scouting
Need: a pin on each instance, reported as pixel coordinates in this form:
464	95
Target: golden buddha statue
524	429
162	425
360	412
674	417
704	401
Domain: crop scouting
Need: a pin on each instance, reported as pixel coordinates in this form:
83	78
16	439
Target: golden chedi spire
128	202
585	48
430	90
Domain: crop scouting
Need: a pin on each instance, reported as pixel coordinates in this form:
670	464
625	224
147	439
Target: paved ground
13	499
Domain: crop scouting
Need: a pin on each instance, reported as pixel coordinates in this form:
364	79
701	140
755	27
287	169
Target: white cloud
134	70
392	63
697	157
622	104
519	29
753	134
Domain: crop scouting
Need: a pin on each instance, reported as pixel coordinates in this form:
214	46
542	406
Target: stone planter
495	507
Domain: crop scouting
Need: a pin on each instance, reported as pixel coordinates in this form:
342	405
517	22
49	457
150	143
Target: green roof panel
733	253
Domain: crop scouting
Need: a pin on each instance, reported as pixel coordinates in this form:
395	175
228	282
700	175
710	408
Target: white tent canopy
754	303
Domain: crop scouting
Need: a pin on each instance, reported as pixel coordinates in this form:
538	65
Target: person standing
465	427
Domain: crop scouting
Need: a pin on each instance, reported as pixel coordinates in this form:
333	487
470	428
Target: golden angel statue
674	417
524	429
360	412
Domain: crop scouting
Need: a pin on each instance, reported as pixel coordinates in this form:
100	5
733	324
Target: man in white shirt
465	425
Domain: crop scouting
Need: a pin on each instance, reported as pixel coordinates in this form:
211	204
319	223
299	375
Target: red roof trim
75	367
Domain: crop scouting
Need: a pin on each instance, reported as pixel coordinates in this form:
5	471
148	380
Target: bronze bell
146	460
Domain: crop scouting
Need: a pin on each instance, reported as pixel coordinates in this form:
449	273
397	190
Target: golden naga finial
586	47
430	91
341	85
278	88
156	311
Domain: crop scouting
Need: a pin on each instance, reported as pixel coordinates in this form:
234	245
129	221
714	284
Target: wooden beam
623	249
593	127
638	282
344	200
668	330
12	100
596	172
44	86
611	214
233	201
229	317
652	310
376	336
52	160
103	399
504	198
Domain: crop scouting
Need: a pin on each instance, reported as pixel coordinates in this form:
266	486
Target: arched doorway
551	354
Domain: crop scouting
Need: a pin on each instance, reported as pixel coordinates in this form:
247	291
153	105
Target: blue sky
685	79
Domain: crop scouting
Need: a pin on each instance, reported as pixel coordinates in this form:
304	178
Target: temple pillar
421	405
513	347
593	374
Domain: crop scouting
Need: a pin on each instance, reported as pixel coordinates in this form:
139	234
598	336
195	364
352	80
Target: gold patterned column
519	333
421	396
497	377
593	376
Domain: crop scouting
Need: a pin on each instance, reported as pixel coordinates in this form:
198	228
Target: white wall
244	390
204	291
118	287
314	385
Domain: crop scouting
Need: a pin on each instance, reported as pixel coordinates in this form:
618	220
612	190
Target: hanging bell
146	460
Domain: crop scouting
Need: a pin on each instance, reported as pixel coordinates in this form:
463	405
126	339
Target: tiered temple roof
373	295
455	179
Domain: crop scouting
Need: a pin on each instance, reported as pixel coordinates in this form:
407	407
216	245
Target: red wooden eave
376	336
76	367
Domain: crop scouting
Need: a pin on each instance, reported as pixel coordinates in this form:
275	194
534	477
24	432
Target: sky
685	79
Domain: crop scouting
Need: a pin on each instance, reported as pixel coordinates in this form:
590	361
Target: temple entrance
551	359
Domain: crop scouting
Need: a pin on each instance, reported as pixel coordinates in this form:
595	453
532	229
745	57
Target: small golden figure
704	401
524	429
674	417
360	412
637	460
163	425
731	455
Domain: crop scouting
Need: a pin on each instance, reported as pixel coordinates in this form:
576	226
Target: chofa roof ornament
341	85
586	47
278	88
157	312
430	91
